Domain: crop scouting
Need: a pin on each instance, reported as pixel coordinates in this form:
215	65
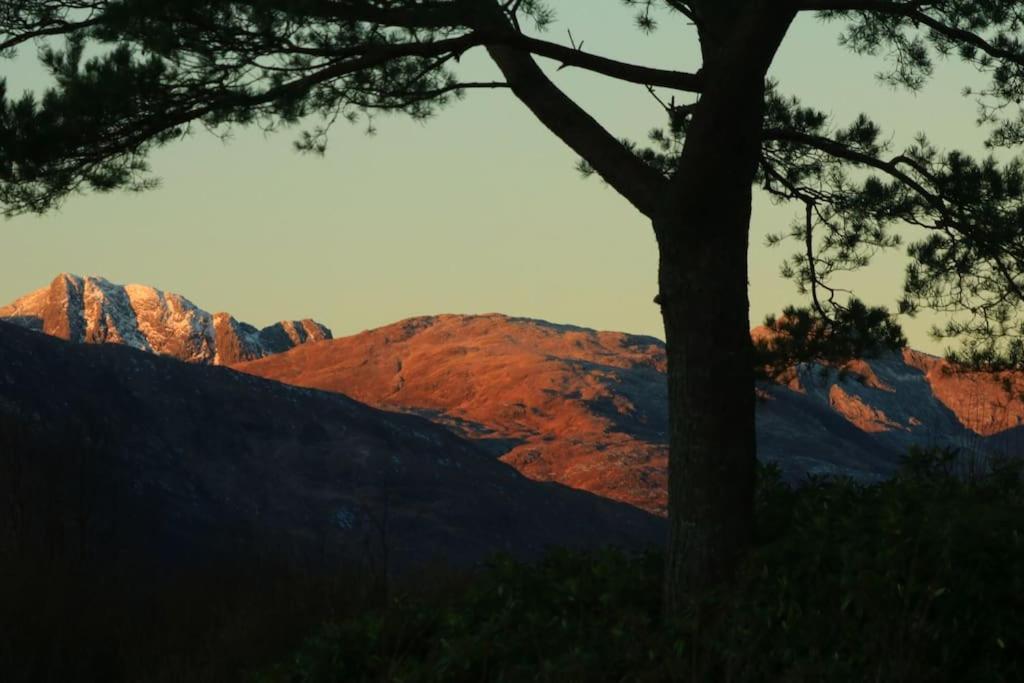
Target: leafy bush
917	579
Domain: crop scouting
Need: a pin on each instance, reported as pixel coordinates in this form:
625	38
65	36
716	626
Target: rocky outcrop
986	403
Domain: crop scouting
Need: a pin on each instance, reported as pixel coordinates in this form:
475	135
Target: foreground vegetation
917	579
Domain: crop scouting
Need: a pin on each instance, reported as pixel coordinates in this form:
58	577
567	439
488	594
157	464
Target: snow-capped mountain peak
96	311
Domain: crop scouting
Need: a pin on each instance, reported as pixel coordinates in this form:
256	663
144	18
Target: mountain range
144	456
589	409
584	408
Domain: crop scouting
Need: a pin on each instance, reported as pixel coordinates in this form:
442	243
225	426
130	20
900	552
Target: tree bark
701	219
705	308
703	235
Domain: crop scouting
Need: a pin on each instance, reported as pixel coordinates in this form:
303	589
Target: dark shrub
917	579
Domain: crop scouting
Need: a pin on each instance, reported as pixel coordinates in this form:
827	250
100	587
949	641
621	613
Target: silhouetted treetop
801	335
162	66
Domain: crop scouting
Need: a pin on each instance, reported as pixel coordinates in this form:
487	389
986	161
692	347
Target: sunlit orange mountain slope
556	402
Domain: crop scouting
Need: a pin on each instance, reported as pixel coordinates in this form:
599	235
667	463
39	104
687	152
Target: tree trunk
703	235
705	308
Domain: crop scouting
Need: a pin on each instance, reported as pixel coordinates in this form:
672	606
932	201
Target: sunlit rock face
95	311
986	403
589	409
856	420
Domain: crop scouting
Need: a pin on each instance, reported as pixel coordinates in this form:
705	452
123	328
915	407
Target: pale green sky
478	210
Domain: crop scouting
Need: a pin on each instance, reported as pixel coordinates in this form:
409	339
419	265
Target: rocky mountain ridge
94	310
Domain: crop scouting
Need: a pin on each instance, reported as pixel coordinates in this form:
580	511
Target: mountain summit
557	402
96	311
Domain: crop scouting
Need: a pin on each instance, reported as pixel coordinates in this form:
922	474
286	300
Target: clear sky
478	210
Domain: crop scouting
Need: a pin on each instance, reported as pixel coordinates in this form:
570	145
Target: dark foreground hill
182	464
